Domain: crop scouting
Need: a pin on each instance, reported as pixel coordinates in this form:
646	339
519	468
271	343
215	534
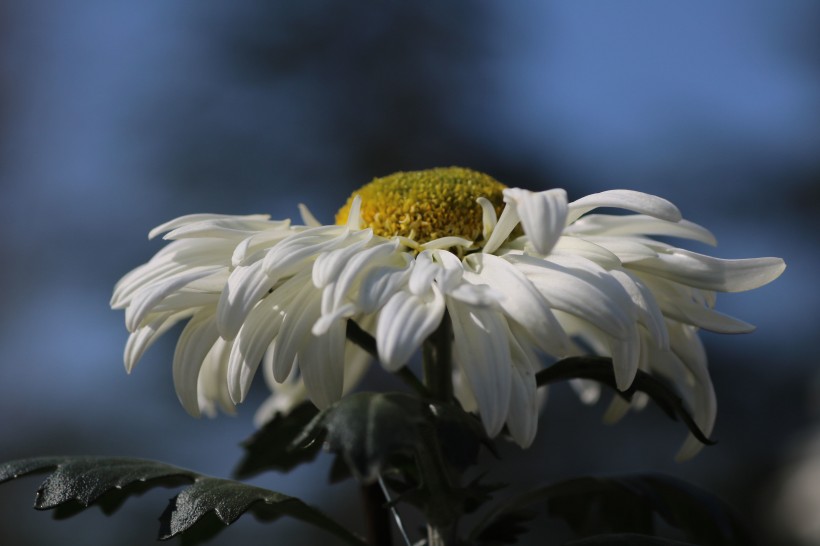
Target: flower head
521	275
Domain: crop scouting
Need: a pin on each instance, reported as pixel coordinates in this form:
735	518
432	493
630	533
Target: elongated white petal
700	271
245	288
223	228
576	246
626	355
300	317
145	300
522	418
192	218
543	215
488	216
195	341
580	295
485	363
522	302
329	265
639	225
635	201
307	217
404	323
258	331
145	336
506	224
649	313
322	365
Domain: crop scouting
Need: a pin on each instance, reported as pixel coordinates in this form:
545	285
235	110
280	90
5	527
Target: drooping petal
245	288
485	363
145	336
193	218
522	302
639	225
700	271
195	341
635	201
322	365
404	323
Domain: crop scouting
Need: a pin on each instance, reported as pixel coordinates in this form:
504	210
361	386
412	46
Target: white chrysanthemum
542	278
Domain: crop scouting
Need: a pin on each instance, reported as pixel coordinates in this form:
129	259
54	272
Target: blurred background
115	117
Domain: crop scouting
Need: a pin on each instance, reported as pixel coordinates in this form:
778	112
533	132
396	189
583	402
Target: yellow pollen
426	205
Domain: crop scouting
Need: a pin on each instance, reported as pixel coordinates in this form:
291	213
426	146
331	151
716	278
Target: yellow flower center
426	205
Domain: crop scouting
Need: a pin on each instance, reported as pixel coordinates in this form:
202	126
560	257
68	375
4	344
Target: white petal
246	286
404	323
649	313
522	419
506	224
488	216
322	364
451	271
224	228
195	341
582	295
258	331
301	314
145	336
639	225
354	215
191	218
146	299
636	201
625	358
423	273
543	215
522	301
446	242
329	265
481	352
576	246
307	217
710	273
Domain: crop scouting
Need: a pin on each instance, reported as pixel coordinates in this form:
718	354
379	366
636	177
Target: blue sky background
116	117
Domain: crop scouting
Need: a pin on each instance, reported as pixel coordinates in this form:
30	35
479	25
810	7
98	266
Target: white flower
542	278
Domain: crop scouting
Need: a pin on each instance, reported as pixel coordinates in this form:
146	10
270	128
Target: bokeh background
115	117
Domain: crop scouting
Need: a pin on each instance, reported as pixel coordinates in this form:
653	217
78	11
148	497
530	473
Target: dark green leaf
225	501
366	429
272	447
206	506
626	539
505	529
600	369
629	504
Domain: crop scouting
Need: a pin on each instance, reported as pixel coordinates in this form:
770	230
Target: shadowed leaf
628	505
204	507
600	369
272	447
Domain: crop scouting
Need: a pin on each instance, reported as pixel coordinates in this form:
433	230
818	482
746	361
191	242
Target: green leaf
211	500
199	511
506	528
272	447
600	369
629	504
626	539
366	429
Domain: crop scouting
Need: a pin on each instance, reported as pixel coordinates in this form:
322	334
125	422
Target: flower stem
438	361
378	516
438	378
